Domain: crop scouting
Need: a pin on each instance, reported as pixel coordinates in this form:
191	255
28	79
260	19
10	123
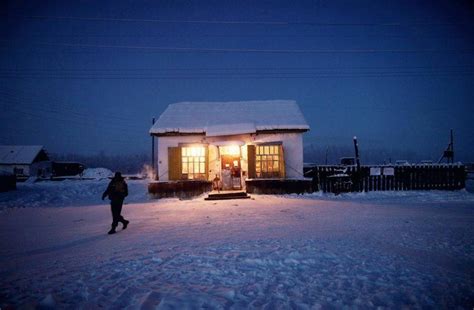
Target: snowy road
268	252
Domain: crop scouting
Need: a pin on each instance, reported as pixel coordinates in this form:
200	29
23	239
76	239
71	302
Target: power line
84	120
168	49
234	73
37	104
71	121
238	68
219	77
237	22
119	138
240	35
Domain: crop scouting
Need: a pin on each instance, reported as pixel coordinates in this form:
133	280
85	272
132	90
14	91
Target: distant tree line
128	164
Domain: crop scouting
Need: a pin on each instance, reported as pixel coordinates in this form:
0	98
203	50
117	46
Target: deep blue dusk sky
88	76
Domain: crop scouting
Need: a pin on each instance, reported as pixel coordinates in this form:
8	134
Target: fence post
397	177
462	176
452	172
366	178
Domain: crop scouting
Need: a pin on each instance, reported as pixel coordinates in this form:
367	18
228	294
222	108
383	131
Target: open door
231	172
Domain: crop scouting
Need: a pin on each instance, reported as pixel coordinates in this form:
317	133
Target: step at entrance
227	195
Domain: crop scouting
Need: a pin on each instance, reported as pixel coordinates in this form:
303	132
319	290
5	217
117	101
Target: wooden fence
336	179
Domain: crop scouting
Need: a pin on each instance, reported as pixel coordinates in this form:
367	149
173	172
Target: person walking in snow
117	190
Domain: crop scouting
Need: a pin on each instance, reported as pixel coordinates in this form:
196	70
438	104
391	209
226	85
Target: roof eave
176	133
282	130
262	131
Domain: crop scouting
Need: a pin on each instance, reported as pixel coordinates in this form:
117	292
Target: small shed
25	161
246	145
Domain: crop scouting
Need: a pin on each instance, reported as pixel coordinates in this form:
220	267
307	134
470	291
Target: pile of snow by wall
97	173
68	193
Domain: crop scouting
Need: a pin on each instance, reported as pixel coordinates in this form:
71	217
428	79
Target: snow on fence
336	179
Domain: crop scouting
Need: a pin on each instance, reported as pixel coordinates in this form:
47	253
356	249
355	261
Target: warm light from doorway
230	150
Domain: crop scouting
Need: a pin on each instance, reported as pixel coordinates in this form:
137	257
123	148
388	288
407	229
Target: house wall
41	169
11	169
29	170
292	147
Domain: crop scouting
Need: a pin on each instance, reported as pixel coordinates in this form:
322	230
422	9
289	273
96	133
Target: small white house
229	142
25	160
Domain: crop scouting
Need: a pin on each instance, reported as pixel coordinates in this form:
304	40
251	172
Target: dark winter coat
117	190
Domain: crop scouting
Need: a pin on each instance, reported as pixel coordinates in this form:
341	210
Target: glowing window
193	163
267	162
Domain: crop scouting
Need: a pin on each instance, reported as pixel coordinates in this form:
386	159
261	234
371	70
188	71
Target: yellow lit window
267	163
193	163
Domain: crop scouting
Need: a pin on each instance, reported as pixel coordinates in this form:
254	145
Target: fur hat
118	176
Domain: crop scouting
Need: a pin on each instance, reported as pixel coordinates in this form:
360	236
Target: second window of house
267	162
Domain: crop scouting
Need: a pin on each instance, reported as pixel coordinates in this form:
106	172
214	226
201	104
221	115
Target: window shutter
206	159
282	162
251	156
174	163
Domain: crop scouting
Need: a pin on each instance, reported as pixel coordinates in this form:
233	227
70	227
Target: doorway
231	172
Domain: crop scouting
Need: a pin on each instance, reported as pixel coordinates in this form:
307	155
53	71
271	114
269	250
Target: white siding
292	146
11	168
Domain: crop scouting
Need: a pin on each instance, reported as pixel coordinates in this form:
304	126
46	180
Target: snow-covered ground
392	250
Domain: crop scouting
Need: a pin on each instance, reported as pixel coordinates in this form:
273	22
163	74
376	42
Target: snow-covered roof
19	154
230	118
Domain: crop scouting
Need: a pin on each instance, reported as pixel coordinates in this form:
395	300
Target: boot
112	231
125	224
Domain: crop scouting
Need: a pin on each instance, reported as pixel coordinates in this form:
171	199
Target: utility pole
153	152
452	147
449	152
356	175
356	148
327	151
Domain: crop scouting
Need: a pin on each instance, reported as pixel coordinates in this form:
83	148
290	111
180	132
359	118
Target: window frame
268	157
197	161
